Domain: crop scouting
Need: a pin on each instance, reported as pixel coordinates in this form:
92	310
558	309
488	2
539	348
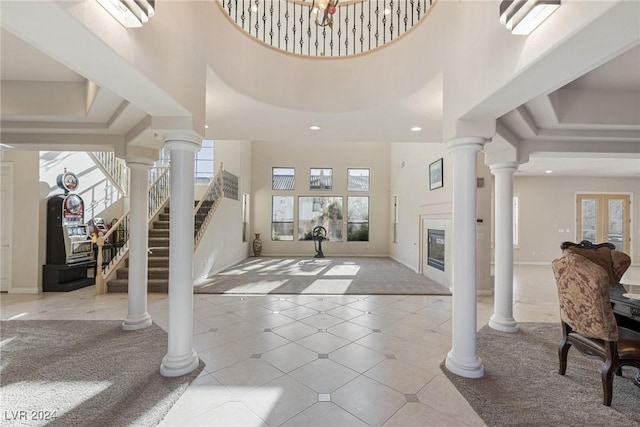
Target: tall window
245	215
321	179
395	218
203	170
320	211
282	178
358	179
358	219
282	218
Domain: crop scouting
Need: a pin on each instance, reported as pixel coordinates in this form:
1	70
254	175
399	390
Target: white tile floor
311	360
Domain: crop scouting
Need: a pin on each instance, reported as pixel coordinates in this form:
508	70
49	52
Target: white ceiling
535	122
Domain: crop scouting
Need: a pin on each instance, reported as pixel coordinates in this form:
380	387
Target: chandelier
324	11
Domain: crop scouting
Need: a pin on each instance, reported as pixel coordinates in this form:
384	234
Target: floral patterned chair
588	322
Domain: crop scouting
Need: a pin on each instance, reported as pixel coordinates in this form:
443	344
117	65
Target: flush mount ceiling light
130	13
524	16
314	127
416	129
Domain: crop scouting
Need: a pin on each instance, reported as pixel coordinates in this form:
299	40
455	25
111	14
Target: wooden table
627	312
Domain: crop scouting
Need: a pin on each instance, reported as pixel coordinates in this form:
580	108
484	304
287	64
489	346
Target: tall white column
463	359
137	316
181	358
502	318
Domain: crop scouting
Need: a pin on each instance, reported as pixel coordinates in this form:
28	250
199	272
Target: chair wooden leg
607	383
563	349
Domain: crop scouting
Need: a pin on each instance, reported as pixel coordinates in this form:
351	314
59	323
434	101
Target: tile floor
314	360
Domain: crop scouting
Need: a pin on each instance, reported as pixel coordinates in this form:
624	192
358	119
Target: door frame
7	209
602	198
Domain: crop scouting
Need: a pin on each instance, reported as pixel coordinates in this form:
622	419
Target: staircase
158	265
224	185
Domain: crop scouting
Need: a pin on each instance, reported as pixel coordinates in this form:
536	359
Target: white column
137	316
463	359
181	358
502	318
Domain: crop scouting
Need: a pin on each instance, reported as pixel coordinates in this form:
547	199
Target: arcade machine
69	246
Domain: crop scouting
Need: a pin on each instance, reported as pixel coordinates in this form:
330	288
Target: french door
605	218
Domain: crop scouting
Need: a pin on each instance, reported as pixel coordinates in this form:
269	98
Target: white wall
222	245
339	156
26	256
548	204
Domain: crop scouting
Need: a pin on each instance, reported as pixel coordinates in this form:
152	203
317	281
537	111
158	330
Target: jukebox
69	245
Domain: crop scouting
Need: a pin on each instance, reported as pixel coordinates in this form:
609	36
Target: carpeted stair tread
152	273
159	233
153	285
154	261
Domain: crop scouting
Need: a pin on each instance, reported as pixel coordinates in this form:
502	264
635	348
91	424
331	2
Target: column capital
470	143
182	141
140	163
504	166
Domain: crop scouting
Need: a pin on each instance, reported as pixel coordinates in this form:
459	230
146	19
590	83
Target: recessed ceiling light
206	126
314	127
416	129
548	171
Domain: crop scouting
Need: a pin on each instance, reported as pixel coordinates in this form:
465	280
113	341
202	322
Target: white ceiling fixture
314	127
130	13
416	129
524	16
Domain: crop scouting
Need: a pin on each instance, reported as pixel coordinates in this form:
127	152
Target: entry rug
522	387
84	373
321	276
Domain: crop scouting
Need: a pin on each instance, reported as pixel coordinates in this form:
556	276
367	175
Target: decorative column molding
137	316
463	359
181	358
502	318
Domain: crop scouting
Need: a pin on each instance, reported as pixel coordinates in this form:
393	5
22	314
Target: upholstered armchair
614	262
588	322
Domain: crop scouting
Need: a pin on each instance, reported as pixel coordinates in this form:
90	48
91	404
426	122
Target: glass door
604	218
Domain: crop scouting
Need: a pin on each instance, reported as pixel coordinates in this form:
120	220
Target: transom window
321	179
358	179
283	178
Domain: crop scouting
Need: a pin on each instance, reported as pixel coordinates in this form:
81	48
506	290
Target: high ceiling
544	123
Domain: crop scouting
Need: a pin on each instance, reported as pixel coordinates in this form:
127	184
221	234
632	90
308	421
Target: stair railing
207	205
117	238
114	168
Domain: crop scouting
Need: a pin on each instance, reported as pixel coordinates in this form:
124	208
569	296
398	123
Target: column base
175	366
466	369
503	324
133	323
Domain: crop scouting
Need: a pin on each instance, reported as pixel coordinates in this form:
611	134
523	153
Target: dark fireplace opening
435	249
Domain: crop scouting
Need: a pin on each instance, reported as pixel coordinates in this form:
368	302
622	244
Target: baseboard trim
25	290
410	267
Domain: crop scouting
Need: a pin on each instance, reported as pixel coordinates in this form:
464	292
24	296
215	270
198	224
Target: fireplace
435	248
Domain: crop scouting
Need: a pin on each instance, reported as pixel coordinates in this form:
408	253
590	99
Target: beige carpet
84	373
522	387
326	276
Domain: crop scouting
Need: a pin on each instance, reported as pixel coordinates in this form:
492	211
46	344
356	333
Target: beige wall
26	256
409	166
548	204
338	156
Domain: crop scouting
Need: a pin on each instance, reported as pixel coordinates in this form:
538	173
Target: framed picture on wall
435	174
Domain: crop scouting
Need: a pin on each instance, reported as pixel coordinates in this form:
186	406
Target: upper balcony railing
357	26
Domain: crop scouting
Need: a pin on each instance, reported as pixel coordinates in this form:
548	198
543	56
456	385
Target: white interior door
6	223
